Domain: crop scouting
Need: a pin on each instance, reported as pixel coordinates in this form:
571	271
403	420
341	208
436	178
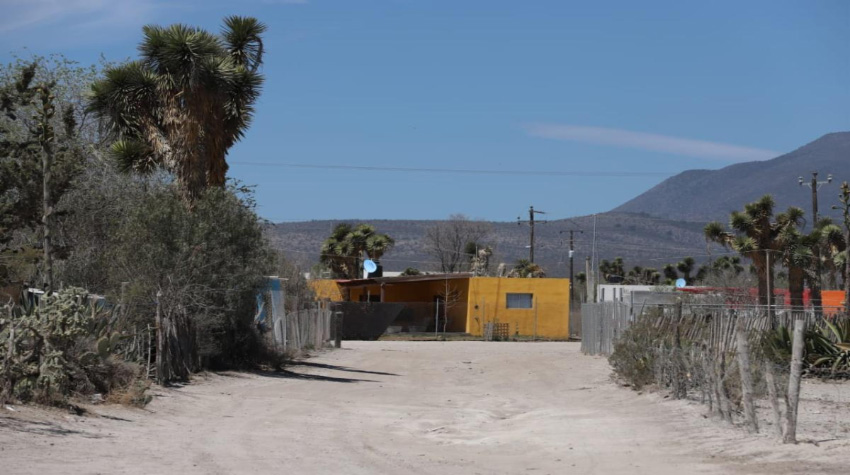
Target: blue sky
629	92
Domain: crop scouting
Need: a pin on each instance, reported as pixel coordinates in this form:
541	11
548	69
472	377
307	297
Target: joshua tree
342	250
670	273
612	271
526	268
686	266
756	236
185	102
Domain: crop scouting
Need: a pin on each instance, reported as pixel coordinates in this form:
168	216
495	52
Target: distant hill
639	239
706	195
661	226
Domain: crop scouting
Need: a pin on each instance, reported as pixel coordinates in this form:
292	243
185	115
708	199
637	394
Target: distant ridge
639	239
706	195
660	226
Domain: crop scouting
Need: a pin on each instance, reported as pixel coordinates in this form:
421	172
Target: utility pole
845	207
572	251
519	222
815	186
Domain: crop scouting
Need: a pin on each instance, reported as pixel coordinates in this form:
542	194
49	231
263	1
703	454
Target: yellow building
463	303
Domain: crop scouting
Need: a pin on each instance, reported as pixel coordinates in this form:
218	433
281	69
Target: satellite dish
681	283
370	266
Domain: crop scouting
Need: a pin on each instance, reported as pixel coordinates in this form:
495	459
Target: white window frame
516	300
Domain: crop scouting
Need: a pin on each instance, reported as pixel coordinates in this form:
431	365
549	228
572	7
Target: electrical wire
365	168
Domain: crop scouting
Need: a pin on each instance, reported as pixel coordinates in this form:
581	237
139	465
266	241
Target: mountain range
662	225
707	195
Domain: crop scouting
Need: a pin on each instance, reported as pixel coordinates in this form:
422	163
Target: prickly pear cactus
107	346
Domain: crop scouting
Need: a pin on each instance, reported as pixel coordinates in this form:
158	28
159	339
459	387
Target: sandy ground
416	407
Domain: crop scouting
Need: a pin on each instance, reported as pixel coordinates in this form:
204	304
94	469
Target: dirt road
405	407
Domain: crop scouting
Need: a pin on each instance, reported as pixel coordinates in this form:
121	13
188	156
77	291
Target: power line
462	171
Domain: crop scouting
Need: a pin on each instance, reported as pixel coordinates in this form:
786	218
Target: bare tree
447	241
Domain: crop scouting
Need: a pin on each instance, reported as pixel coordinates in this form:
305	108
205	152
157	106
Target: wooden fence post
743	350
790	435
161	334
679	386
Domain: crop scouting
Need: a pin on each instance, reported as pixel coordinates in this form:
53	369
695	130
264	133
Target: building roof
403	279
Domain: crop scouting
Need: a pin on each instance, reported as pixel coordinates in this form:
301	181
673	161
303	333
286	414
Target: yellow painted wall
488	303
479	300
326	289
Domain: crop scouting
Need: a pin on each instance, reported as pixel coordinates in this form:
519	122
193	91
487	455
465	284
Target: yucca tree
643	276
830	238
185	102
755	234
525	268
342	250
612	271
686	266
795	252
721	265
671	275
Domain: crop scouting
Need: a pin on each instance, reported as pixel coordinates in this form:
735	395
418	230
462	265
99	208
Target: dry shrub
134	394
634	355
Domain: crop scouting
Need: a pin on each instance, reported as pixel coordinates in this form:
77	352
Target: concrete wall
488	303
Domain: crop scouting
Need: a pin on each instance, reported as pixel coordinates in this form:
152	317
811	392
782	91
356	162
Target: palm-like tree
796	255
643	276
613	271
830	238
686	266
755	235
185	102
671	275
526	268
721	265
342	250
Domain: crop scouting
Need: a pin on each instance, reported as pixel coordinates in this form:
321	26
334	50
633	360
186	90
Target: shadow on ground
41	428
339	368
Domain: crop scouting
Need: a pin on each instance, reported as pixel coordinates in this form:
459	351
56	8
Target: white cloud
653	142
20	14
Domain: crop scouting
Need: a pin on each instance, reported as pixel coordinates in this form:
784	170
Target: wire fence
744	362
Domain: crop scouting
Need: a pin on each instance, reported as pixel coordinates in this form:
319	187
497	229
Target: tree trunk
816	296
796	286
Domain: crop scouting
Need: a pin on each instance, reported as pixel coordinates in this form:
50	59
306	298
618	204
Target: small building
636	295
462	302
